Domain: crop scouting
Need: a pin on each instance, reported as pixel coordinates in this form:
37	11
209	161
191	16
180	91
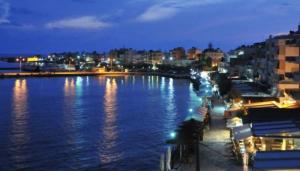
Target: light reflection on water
101	123
110	134
171	109
19	131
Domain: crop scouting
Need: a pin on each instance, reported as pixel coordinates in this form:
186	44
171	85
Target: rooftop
277	160
256	115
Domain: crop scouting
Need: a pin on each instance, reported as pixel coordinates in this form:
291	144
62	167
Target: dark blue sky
41	26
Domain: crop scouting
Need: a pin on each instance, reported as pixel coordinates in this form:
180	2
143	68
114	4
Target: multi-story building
120	55
194	53
178	53
276	64
288	65
215	54
156	57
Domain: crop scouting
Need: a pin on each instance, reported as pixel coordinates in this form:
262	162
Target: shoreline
76	73
63	74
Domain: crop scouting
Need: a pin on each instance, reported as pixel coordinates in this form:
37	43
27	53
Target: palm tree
189	134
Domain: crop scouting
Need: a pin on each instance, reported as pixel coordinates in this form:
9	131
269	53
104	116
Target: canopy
242	132
234	122
277	160
277	128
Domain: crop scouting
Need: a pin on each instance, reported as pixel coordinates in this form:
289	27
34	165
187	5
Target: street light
20	60
190	110
173	135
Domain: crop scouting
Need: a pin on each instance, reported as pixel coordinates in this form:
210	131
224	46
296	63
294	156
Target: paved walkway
215	150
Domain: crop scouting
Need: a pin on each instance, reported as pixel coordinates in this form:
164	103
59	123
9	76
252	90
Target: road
215	150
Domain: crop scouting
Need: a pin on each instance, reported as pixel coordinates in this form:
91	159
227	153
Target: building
216	55
156	57
178	53
122	56
194	53
273	63
281	65
264	134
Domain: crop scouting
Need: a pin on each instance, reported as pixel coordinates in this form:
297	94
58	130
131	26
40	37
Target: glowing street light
20	60
190	110
173	135
241	53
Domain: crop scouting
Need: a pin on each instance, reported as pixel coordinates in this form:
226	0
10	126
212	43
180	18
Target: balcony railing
293	59
295	76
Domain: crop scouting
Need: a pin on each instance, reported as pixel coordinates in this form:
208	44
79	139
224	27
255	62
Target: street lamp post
20	65
69	66
20	60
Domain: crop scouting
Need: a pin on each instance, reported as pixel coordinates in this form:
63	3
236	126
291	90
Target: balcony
293	76
279	71
293	59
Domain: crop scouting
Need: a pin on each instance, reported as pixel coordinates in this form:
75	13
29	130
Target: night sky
41	26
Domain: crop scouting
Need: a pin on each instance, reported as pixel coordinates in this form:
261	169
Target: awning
277	160
234	122
242	132
278	128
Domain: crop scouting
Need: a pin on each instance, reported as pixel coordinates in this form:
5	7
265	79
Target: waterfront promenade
87	73
215	151
63	74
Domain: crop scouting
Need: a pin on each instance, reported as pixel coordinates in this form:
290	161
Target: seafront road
215	150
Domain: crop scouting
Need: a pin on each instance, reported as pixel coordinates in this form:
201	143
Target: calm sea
90	123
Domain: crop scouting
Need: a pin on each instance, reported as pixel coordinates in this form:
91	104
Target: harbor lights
20	60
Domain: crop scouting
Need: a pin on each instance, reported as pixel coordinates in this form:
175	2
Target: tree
189	134
224	83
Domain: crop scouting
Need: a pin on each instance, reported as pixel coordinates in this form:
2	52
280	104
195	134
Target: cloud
85	22
157	13
4	12
169	8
